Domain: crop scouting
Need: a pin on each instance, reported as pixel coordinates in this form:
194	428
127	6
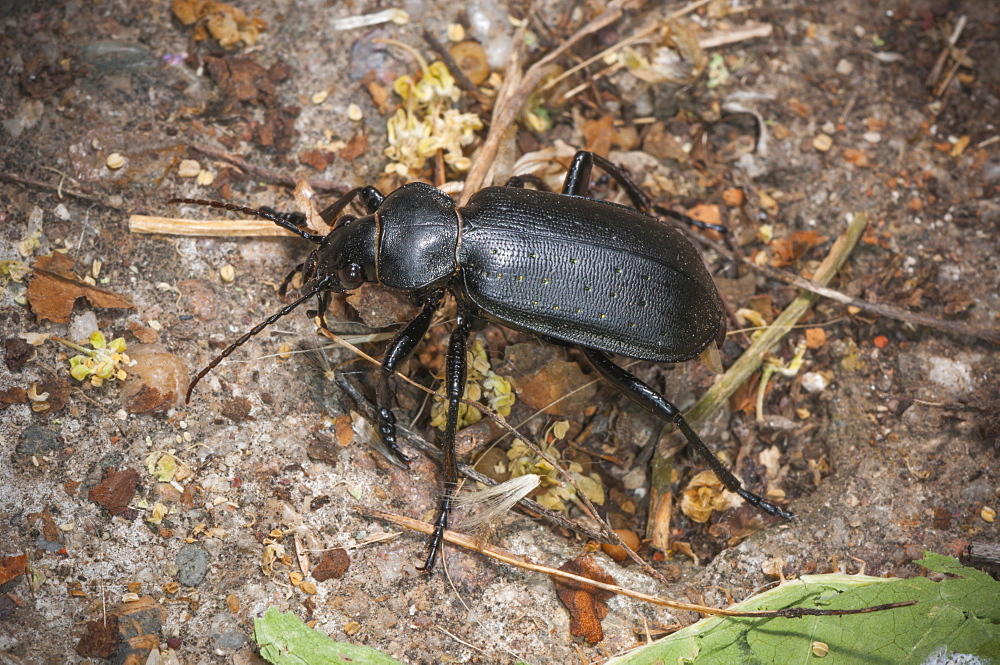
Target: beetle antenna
269	215
256	329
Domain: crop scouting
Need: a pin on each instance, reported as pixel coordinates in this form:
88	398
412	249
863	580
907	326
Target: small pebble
192	565
226	633
844	67
814	382
618	553
38	440
189	168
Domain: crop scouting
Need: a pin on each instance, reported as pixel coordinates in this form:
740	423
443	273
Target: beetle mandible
577	271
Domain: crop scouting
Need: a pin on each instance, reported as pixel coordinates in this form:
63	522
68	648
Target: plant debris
54	289
587	605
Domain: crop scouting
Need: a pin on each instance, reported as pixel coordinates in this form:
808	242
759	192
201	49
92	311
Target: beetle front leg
399	351
652	401
371	197
455	382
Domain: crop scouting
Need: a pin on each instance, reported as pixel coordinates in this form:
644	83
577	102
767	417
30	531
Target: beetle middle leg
649	399
520	181
455	376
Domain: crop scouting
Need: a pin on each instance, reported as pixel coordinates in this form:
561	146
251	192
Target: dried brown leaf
115	490
787	251
587	604
54	289
12	566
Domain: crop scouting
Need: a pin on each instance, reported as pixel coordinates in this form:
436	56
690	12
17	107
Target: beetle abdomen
620	281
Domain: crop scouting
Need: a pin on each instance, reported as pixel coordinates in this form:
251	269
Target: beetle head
345	259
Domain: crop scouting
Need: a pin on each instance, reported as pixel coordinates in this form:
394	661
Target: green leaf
959	614
285	640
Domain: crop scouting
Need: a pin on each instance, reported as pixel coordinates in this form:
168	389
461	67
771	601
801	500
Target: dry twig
219	228
470	543
880	309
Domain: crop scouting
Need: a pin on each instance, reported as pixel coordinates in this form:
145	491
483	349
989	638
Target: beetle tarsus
764	504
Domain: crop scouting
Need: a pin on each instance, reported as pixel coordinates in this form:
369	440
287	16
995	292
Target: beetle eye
352	276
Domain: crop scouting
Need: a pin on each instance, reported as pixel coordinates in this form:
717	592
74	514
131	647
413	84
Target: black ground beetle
574	270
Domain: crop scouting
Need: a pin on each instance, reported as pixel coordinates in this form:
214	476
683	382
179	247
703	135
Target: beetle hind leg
655	403
455	376
577	182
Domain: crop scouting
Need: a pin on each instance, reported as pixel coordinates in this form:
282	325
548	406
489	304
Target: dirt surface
896	455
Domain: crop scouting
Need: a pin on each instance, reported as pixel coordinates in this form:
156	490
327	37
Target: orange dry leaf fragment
116	489
960	146
856	157
597	134
12	566
54	289
788	250
586	603
815	338
733	197
798	108
343	427
707	213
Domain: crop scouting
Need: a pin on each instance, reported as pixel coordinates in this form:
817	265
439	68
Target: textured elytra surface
587	272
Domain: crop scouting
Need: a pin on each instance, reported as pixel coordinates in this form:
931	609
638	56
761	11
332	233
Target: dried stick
469	543
752	358
219	228
888	311
58	189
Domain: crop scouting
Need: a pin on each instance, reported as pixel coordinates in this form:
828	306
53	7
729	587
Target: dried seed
188	168
822	142
354	113
115	161
471	59
456	32
227	273
205	178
